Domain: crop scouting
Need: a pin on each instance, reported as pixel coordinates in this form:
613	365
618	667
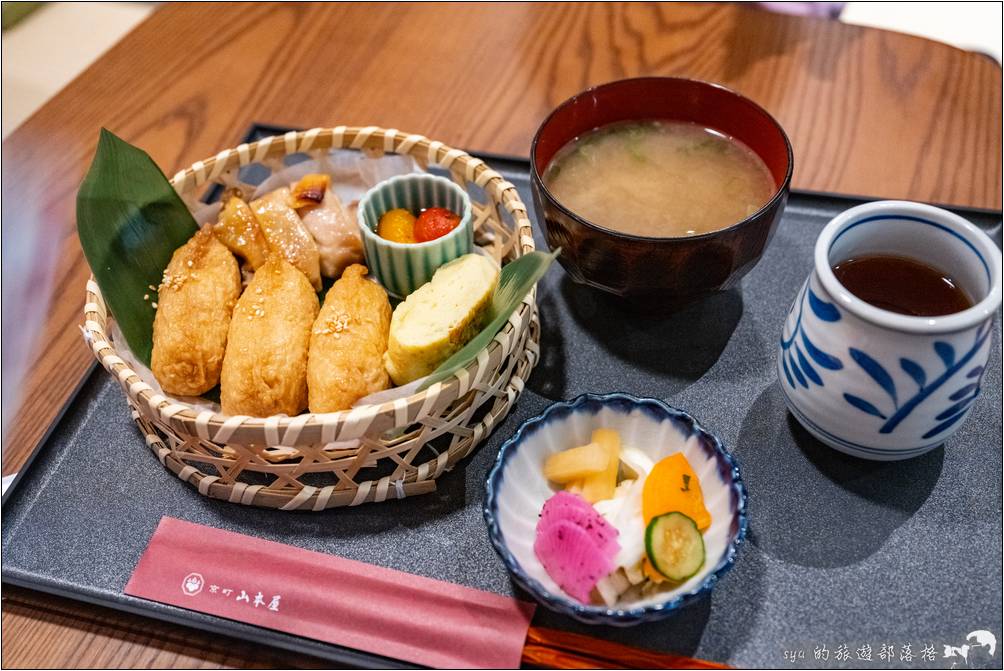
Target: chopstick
551	648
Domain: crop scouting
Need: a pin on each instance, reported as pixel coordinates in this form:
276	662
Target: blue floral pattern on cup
793	362
960	399
800	371
876	384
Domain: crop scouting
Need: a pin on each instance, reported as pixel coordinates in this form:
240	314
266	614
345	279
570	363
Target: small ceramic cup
399	267
877	384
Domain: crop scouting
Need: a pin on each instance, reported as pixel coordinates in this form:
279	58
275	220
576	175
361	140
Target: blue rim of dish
600	614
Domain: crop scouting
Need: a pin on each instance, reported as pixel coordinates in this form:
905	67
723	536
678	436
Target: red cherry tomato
435	222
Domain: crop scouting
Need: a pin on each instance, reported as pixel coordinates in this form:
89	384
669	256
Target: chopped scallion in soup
659	178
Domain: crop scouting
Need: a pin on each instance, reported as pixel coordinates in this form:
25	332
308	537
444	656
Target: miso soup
659	178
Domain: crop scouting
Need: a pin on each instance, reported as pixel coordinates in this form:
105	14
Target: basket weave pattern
369	453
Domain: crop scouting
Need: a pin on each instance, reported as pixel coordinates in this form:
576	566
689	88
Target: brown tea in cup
903	285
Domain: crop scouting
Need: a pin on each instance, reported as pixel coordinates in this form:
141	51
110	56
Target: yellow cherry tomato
397	226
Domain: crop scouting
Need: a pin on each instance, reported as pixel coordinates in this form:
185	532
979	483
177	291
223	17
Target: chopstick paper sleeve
328	598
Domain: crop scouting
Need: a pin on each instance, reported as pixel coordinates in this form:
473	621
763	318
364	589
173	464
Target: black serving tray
840	551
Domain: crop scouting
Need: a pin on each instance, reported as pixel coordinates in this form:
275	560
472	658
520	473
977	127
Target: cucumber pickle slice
675	546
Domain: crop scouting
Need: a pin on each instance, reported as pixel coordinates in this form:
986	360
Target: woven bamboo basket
308	462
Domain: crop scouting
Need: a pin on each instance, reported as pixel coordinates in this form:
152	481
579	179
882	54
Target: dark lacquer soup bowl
660	270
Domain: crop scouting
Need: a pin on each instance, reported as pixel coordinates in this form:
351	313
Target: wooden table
868	112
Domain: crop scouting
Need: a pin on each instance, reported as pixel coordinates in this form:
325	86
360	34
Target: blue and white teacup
877	384
399	267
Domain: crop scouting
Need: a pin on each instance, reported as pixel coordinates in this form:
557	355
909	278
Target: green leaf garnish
515	282
130	220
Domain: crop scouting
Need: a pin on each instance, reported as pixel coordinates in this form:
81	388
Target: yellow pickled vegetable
672	486
576	463
600	486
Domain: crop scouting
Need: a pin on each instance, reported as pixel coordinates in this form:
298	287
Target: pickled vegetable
672	486
601	485
576	463
674	545
574	544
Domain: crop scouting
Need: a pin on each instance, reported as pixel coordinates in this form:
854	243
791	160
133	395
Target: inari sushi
195	300
265	367
348	342
238	229
286	234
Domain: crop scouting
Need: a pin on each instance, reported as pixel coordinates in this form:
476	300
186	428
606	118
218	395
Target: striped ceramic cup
402	267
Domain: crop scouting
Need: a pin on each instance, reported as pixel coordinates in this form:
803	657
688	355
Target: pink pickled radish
570	556
565	506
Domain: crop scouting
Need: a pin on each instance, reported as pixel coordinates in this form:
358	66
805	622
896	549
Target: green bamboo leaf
129	220
515	282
